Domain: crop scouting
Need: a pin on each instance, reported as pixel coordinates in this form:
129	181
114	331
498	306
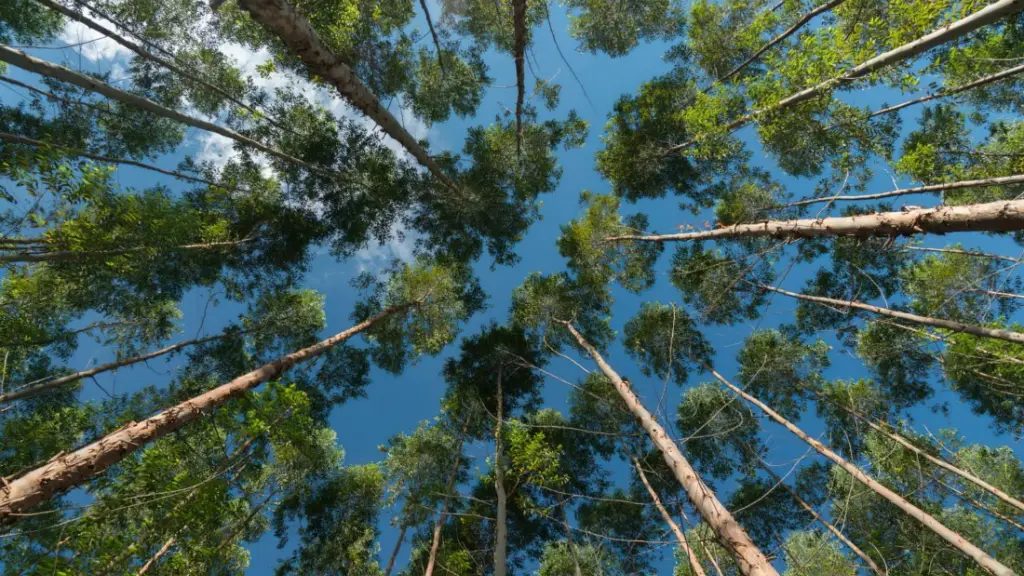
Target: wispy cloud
91	44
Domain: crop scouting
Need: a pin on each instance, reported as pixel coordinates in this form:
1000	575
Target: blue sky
398	403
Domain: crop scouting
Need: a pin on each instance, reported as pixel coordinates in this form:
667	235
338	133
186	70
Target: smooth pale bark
987	15
975	253
927	320
143	53
750	560
997	294
281	18
35	388
519	48
501	523
435	543
984	80
779	38
691	556
957	541
65	255
814	514
67	471
995	513
982	183
394	553
159	554
52	96
1002	216
940	462
50	70
15	139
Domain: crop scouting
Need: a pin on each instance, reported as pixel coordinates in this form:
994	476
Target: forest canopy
375	288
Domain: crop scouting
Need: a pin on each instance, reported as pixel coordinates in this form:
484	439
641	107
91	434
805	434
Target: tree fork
749	558
73	469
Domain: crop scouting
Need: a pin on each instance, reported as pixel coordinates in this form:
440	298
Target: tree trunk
703	546
281	18
67	471
980	506
779	38
142	53
996	293
436	542
988	15
1002	216
433	34
519	48
159	553
15	139
987	562
70	255
975	253
960	185
569	542
814	514
698	570
750	560
997	333
35	388
501	523
50	70
394	553
940	462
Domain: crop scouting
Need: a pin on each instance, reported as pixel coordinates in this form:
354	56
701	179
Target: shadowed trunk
501	523
436	542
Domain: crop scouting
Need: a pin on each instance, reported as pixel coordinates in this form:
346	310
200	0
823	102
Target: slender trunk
814	514
15	139
1002	216
774	41
949	32
436	542
146	55
35	388
519	48
698	570
945	187
999	334
995	513
159	553
703	546
940	462
996	293
67	471
281	18
433	34
71	255
245	523
500	525
975	253
50	70
394	553
750	560
984	80
987	562
569	541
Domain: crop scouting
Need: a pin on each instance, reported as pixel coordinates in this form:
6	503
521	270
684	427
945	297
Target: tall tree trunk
940	462
569	541
957	541
501	523
394	553
947	33
691	556
979	505
750	560
945	187
814	513
50	70
15	139
38	387
807	17
281	18
71	255
67	471
1002	216
146	55
159	554
996	293
518	51
436	542
999	334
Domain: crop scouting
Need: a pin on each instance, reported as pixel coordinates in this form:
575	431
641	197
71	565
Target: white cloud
377	256
91	44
